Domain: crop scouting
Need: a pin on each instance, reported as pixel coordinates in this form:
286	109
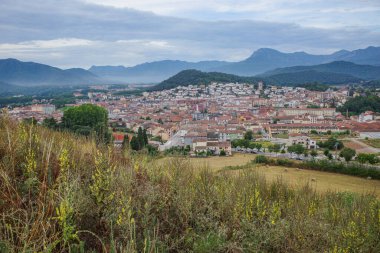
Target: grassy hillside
62	193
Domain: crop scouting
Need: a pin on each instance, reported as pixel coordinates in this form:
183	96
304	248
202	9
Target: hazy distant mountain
5	87
20	73
267	59
341	67
35	74
368	56
262	60
151	72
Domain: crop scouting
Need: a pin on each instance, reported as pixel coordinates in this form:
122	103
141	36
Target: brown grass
324	181
373	142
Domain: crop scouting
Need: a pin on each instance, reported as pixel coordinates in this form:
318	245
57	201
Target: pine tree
135	143
145	137
140	138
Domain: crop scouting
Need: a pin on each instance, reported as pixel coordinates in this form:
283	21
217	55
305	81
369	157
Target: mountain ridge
20	73
367	72
338	72
260	61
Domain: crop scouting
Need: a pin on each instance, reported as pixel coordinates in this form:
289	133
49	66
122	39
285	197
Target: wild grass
63	193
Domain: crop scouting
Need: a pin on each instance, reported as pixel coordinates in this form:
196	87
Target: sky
82	33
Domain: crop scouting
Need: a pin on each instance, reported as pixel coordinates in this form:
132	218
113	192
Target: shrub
261	159
347	153
367	158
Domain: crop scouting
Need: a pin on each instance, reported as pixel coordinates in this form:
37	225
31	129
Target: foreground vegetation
64	193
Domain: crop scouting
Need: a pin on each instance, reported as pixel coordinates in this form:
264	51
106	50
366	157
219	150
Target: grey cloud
22	21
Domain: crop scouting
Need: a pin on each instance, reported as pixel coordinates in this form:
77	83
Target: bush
261	159
347	154
367	158
332	143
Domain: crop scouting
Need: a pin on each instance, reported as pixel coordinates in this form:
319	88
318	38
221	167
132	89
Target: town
207	119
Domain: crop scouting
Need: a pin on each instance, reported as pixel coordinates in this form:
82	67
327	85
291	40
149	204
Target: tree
87	119
140	138
326	152
31	121
361	104
347	153
135	145
222	153
50	123
145	137
160	121
261	159
313	131
313	153
248	135
332	143
276	148
296	148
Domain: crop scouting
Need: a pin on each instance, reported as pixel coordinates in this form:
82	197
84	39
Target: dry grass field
362	146
321	181
372	142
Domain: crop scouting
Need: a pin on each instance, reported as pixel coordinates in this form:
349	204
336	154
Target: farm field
361	147
373	142
321	181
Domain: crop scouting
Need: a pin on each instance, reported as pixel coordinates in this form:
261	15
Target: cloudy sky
81	33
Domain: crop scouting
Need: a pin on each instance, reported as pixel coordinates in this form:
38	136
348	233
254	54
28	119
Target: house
215	147
118	139
304	140
366	116
43	108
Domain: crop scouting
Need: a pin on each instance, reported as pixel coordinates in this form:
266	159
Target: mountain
20	73
151	72
310	76
196	77
267	59
260	61
35	74
366	72
6	87
368	56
